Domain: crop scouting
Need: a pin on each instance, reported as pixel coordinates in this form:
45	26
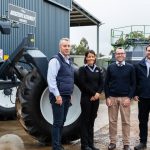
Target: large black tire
35	114
8	97
7	104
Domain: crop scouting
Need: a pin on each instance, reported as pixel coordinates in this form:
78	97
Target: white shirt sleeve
53	68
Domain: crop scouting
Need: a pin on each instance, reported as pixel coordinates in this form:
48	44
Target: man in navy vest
143	97
60	80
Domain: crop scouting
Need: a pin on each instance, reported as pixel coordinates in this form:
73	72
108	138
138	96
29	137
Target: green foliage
136	34
129	39
120	41
81	48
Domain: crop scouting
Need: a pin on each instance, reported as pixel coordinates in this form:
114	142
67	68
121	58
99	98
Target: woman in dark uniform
91	85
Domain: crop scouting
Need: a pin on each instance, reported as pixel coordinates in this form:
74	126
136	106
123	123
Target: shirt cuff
56	93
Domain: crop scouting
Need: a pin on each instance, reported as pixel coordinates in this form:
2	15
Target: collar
147	60
89	66
143	62
120	64
92	69
65	57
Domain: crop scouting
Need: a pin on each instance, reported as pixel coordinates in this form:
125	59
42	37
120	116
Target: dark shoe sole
140	149
112	148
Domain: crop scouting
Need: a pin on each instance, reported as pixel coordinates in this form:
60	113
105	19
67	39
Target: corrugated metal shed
53	22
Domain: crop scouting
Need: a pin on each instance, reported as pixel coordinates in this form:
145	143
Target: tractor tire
7	104
35	113
8	98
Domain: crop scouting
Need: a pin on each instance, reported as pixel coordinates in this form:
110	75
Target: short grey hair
63	39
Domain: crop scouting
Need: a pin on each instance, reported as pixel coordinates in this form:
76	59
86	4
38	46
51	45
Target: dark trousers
88	114
144	109
59	117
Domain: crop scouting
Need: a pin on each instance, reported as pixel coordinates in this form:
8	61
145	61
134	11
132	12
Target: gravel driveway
101	132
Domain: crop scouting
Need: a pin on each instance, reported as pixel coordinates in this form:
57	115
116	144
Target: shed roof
80	17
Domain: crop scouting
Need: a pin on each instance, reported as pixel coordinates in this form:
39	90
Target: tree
81	48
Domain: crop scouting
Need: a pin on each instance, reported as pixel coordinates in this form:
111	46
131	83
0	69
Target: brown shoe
126	147
111	146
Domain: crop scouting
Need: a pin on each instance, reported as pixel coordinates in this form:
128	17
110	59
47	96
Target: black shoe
126	147
86	148
111	146
61	148
94	148
140	146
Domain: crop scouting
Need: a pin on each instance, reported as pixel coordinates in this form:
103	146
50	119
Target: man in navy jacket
143	97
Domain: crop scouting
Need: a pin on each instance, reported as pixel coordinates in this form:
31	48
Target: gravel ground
101	137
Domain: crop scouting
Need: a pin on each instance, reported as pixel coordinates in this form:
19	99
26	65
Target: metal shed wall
64	3
52	23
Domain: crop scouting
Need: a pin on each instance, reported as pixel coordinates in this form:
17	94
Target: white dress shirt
147	61
120	64
53	68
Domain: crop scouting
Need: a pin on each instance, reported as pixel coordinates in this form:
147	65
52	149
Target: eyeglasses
119	53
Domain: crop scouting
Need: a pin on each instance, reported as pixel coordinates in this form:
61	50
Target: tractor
24	75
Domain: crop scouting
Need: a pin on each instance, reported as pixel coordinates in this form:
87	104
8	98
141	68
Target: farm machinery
133	39
24	75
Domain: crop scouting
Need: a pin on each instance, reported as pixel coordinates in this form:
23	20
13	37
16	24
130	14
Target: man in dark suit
143	97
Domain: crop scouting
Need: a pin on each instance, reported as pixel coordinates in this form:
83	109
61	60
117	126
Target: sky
112	13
